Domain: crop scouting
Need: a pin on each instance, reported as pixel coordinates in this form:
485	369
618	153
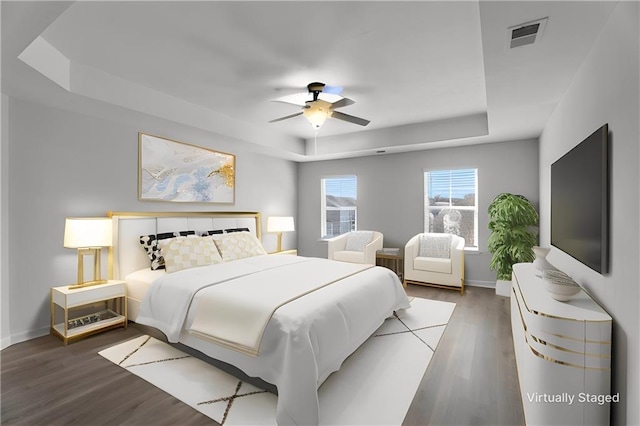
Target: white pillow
238	245
358	240
435	245
189	252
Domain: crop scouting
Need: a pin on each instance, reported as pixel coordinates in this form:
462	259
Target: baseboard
5	343
484	284
23	337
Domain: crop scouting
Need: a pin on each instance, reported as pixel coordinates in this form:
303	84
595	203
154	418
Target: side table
392	258
95	304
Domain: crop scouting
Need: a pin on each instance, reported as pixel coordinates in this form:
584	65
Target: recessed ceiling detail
427	74
230	57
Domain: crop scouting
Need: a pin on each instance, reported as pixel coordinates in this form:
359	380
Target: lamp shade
280	224
316	118
317	112
80	232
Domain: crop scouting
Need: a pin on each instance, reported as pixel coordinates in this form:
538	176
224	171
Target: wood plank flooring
471	380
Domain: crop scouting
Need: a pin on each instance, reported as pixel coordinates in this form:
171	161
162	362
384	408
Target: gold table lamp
280	224
88	235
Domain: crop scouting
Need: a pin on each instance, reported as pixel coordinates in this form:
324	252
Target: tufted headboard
127	255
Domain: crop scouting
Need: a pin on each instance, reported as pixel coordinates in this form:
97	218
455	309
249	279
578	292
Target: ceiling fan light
316	116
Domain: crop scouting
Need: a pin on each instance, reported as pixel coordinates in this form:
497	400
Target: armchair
355	247
436	260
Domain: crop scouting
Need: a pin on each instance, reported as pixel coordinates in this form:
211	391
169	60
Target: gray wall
62	163
390	193
4	224
605	90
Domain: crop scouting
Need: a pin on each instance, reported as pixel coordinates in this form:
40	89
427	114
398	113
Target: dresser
563	354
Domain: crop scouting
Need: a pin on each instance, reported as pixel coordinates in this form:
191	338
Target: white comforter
236	313
305	340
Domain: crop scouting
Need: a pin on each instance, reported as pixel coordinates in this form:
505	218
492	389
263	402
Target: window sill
472	250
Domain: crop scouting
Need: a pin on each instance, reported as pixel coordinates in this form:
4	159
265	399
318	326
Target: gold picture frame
174	171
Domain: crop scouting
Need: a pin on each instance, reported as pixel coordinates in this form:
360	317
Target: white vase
540	262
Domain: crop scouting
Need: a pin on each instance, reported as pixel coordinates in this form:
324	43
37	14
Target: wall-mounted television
580	201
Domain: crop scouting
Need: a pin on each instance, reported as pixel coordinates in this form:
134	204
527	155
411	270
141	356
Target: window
339	196
450	203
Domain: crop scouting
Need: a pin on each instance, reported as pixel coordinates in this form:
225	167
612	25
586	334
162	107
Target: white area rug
375	385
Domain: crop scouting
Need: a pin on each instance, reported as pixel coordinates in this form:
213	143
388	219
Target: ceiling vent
525	34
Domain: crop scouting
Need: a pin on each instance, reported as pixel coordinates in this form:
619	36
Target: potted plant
512	221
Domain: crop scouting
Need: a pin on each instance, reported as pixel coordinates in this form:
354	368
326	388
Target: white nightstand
88	310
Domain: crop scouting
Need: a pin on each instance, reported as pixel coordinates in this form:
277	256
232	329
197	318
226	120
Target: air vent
525	34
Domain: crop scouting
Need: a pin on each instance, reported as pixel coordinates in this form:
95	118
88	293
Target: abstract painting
180	172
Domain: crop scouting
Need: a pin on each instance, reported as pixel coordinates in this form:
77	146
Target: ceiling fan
318	110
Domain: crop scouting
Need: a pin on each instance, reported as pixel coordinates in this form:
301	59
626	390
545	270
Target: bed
296	346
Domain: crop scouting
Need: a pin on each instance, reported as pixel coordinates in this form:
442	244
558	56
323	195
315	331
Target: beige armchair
435	260
355	247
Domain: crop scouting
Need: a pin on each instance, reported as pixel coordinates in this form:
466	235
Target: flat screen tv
580	201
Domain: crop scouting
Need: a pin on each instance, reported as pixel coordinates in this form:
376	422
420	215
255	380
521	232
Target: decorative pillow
358	240
238	245
150	244
237	230
435	245
188	252
221	231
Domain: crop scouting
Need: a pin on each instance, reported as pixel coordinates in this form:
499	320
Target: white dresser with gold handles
563	353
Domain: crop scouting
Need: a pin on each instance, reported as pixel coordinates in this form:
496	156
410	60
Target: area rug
375	385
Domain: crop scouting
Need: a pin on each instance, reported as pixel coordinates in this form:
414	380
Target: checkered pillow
150	245
238	245
188	252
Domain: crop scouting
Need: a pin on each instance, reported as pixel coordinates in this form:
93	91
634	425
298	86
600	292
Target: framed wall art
175	171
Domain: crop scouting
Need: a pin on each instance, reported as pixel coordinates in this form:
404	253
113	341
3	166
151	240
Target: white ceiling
426	73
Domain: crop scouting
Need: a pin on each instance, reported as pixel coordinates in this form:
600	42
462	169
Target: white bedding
305	340
139	282
236	313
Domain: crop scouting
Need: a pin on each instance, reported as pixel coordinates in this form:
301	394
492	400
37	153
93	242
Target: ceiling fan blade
294	99
349	118
342	103
288	102
284	118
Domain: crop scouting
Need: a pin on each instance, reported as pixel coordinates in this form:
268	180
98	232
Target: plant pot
503	288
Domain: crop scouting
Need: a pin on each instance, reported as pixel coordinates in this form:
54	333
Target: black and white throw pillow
150	245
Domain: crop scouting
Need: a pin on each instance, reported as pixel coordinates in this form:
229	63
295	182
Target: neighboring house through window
450	203
339	195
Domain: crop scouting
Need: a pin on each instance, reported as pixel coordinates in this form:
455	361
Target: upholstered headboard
127	255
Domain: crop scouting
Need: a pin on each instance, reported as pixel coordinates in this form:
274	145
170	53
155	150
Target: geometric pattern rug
374	386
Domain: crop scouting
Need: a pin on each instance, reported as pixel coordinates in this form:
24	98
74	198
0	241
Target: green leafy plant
512	221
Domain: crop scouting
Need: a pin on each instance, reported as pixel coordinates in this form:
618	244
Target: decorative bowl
559	285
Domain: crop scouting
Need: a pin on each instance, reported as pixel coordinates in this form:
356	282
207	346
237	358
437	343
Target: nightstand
391	258
88	310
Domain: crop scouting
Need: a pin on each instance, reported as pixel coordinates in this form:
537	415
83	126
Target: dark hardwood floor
471	380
